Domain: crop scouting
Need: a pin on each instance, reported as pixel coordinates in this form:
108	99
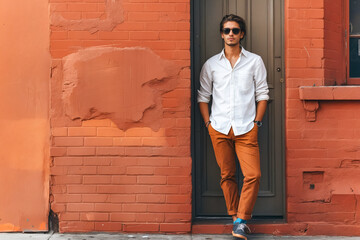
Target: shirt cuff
262	98
202	98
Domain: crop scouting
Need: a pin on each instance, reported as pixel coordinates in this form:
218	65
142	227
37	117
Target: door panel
264	37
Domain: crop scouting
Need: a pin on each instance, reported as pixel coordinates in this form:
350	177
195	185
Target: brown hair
233	18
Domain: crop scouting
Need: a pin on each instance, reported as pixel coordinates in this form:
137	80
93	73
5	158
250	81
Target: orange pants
247	150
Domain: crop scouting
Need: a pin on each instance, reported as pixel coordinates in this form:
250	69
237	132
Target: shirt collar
243	52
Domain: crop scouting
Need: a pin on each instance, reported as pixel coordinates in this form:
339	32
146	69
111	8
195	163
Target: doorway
264	19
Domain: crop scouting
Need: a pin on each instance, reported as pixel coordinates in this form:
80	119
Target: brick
153	161
81	151
108	207
81	35
171	151
160	7
108	226
178	180
133	7
165	189
128	141
111	170
75	226
97	123
110	151
139	151
82	131
178	199
171	208
94	198
123	161
131	189
183	123
93	15
134	207
151	180
58	170
82	7
81	189
98	141
118	35
143	17
139	170
150	217
159	26
123	180
160	45
59	131
71	15
67	198
79	207
57	180
68	161
156	141
122	198
122	217
134	26
145	227
150	198
175	17
144	35
175	227
94	216
58	207
69	216
58	151
82	170
96	161
172	171
138	132
110	132
177	217
96	179
180	162
58	189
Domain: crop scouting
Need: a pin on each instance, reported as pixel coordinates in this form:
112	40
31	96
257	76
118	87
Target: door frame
196	122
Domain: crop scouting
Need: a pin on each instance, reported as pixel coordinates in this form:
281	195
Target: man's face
231	39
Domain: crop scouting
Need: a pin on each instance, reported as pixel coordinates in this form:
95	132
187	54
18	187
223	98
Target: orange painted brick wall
322	156
131	179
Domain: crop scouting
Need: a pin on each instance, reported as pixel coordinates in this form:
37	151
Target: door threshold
224	225
228	220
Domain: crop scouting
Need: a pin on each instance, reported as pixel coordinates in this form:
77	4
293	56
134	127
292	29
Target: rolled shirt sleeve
205	91
261	86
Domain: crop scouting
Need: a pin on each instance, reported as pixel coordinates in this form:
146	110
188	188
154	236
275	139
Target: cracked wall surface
124	85
121	84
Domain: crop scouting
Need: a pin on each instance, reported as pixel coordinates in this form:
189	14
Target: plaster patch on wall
114	16
122	84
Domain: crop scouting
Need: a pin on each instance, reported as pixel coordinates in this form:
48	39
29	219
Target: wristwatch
258	123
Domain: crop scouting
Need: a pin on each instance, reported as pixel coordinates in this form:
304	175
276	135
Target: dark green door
264	37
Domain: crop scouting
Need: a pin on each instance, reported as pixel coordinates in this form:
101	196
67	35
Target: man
236	80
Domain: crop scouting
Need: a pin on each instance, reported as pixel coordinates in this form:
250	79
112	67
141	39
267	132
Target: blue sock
239	220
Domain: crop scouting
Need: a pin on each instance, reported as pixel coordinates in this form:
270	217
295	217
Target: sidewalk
102	236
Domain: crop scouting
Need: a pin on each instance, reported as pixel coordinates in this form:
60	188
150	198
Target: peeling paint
122	84
114	16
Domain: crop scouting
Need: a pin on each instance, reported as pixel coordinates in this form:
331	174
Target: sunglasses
235	31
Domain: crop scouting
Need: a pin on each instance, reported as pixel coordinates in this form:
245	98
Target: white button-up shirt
234	91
